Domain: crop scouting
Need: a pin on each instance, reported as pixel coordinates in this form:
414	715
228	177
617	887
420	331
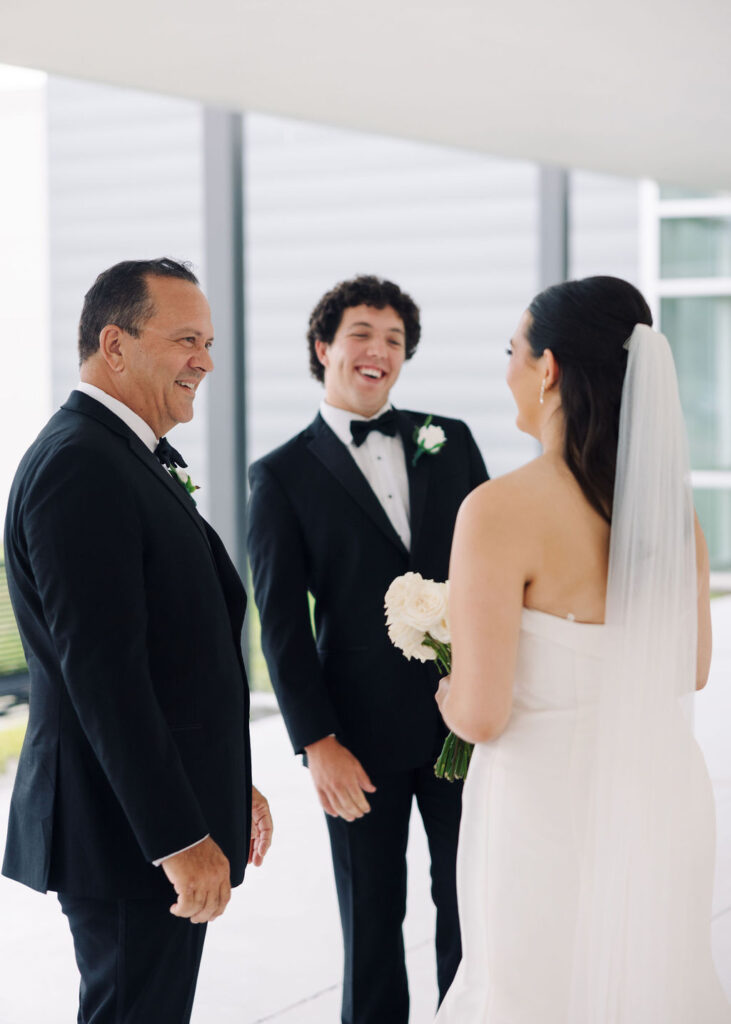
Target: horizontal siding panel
605	219
459	231
455	230
469	194
125	182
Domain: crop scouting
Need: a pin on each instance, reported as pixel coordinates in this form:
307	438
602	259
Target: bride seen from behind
579	599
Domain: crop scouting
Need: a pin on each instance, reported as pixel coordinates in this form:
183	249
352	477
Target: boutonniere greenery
429	439
183	478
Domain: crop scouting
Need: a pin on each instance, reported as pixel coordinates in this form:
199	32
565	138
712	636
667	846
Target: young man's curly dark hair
364	290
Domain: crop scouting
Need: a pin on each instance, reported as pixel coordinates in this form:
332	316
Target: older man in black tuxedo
339	511
134	781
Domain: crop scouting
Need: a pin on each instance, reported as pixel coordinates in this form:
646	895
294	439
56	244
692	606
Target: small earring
543	390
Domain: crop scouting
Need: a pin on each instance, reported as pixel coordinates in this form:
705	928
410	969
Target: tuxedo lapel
418	475
81	403
332	453
179	492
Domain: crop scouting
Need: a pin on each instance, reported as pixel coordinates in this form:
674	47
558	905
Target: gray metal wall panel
125	182
458	231
605	226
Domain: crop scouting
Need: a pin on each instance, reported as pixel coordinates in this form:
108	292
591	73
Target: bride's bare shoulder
499	527
512	498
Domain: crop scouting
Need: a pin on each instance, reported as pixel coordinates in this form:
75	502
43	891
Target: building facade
460	231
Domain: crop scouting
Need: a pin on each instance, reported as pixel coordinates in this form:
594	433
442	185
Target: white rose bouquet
417	616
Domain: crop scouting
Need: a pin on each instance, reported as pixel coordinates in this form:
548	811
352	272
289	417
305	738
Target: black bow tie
386	424
167	454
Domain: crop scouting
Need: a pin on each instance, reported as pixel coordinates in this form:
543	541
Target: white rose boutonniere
183	478
417	617
429	439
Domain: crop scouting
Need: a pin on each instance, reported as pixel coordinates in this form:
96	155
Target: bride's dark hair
585	324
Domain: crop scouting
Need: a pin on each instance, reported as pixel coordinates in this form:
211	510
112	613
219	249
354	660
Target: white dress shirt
381	460
147	435
135	423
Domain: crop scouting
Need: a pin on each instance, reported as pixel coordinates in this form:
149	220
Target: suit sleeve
278	563
85	548
478	470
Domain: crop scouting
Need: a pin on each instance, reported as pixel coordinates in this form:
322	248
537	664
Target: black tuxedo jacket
316	525
130	612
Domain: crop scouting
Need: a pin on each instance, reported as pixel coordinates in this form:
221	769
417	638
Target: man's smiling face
169	358
364	359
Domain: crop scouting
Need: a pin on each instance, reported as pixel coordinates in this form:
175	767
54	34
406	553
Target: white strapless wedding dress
524	811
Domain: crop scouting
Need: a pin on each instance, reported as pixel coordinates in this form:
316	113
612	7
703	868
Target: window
691	249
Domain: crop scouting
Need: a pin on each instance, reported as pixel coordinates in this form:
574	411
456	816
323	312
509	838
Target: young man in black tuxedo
339	511
134	782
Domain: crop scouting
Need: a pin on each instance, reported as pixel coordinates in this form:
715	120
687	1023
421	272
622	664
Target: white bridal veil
639	889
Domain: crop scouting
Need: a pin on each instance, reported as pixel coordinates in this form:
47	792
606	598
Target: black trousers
369	858
138	963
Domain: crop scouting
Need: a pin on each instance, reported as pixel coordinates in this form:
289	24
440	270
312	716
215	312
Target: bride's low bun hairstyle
586	324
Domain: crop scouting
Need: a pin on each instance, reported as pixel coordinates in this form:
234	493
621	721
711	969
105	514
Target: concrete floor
275	955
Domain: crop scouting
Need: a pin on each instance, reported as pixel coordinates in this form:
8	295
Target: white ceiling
630	87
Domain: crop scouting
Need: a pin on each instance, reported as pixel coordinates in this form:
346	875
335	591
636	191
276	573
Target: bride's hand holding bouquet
442	692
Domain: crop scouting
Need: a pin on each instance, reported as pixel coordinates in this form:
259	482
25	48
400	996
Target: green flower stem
454	759
420	449
431	451
442	651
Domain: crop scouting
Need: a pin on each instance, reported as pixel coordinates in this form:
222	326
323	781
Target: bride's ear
551	370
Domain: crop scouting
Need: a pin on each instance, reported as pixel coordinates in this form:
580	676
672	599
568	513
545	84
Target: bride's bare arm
487	577
704	608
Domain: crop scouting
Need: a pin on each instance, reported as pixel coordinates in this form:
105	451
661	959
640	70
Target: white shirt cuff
159	861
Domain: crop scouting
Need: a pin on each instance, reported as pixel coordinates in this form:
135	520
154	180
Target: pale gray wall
458	231
604	226
125	182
